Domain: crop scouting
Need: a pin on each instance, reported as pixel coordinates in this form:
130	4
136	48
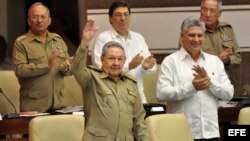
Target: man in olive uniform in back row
39	63
220	39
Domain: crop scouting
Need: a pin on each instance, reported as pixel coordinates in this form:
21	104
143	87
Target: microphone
10	115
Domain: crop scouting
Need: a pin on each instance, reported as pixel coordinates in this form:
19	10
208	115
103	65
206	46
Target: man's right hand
225	55
88	32
136	61
201	83
201	80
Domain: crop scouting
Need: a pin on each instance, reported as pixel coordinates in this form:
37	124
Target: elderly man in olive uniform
112	105
39	63
219	37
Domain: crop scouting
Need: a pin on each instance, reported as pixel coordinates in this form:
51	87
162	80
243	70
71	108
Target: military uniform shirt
113	109
41	87
220	39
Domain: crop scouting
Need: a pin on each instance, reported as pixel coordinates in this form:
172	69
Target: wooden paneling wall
65	10
103	4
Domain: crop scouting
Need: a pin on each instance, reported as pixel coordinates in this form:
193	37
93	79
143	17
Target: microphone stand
10	115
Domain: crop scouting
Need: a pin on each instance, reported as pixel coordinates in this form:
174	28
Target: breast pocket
132	95
36	58
227	40
105	97
213	73
228	44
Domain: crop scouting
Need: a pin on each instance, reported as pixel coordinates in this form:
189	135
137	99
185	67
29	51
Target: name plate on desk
154	108
227	103
32	114
70	109
157	109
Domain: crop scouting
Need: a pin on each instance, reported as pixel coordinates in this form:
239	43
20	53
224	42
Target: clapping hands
201	80
225	55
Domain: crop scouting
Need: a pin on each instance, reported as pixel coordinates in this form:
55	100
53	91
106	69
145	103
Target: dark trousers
213	139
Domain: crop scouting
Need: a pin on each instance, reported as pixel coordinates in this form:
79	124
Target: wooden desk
14	126
228	114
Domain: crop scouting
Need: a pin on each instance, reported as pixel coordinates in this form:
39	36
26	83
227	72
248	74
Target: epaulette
20	38
56	35
224	24
94	67
130	77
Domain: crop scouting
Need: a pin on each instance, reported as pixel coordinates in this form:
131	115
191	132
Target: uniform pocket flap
35	56
228	44
132	92
97	131
104	91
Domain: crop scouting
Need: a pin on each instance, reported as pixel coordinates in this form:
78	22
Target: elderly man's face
113	61
39	19
210	13
193	39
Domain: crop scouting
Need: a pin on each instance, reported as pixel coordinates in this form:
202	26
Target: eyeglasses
113	59
211	11
42	17
121	15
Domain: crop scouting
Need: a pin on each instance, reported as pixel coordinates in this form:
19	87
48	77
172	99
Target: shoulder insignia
20	38
56	35
224	24
130	77
94	67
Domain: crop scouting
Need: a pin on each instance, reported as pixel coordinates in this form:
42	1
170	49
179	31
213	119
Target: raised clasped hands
149	62
225	55
136	61
65	65
201	80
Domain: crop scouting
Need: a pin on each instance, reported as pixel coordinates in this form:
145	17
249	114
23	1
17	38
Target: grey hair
219	6
111	44
192	21
35	4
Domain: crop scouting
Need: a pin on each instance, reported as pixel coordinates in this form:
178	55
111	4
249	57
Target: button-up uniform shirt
41	88
200	107
113	110
135	44
222	38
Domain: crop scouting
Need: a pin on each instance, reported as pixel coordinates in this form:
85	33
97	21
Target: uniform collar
219	24
33	37
104	75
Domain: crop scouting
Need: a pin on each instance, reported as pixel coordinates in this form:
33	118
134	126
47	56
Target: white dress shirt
200	107
135	44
